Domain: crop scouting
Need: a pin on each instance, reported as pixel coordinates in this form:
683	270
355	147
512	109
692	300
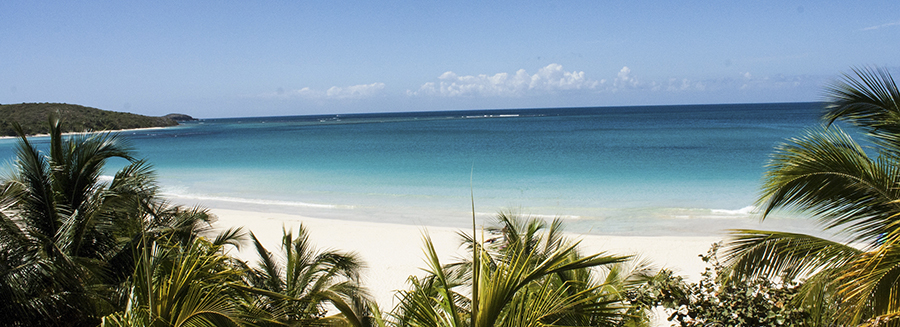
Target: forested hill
33	117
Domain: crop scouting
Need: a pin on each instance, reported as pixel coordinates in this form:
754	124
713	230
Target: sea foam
748	210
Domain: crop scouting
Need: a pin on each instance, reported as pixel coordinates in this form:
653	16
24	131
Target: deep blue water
622	170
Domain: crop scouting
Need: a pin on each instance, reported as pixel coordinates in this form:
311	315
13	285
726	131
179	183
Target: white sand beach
394	251
5	137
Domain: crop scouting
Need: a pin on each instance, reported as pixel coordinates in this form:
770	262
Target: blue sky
263	58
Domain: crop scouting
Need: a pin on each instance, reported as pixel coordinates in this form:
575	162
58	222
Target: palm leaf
233	236
501	285
870	286
36	199
828	174
868	100
752	254
442	285
296	288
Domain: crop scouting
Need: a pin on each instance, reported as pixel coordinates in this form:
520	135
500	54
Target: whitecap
742	211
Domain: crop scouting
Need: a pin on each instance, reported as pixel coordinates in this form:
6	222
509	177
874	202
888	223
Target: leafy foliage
828	175
32	117
69	238
61	229
176	286
529	275
295	287
711	302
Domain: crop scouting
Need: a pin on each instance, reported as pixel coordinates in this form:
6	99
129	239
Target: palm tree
850	190
58	222
529	275
68	238
183	286
295	287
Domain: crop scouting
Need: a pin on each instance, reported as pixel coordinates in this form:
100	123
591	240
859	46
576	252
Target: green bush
713	302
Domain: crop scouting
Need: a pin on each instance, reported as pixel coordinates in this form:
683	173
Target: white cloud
355	91
549	79
554	79
882	25
625	80
306	92
335	92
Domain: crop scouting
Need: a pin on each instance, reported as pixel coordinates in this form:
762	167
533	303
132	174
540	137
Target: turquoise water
680	170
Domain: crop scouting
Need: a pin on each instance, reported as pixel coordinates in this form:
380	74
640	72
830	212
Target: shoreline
452	213
4	137
392	252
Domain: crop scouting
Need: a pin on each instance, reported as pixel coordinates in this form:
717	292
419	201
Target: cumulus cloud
553	79
355	91
549	79
335	92
624	80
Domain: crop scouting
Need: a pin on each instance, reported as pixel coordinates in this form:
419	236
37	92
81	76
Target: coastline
392	252
3	137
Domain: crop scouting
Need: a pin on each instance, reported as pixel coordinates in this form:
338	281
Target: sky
213	59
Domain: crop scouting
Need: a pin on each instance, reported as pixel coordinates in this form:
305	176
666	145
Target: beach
659	182
393	252
7	137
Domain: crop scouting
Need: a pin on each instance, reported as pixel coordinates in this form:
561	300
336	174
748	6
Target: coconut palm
608	283
68	237
183	286
529	275
295	286
58	224
852	191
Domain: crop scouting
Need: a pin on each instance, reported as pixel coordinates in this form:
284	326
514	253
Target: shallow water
663	170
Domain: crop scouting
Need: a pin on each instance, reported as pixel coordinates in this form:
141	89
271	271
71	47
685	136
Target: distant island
33	118
179	117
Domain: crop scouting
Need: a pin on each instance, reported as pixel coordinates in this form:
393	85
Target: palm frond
442	285
829	175
233	236
77	162
38	205
268	273
870	285
752	254
296	288
868	99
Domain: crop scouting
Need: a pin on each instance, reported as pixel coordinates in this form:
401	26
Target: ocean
687	170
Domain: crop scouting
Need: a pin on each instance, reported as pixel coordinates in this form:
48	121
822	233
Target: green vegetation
179	117
294	292
33	118
715	302
529	275
70	244
830	176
